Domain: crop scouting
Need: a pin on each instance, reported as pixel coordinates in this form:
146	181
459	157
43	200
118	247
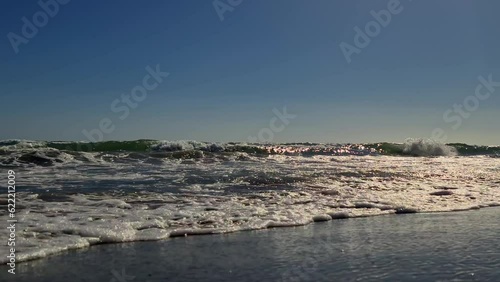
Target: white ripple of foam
343	186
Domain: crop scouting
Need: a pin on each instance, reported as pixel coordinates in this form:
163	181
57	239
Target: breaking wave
423	147
77	194
48	153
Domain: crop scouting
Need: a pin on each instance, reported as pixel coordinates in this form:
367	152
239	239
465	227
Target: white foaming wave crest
427	147
33	156
186	145
11	144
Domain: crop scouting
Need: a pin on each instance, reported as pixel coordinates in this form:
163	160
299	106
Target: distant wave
429	148
47	153
423	147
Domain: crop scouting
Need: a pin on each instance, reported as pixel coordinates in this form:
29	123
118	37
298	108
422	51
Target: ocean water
460	246
74	195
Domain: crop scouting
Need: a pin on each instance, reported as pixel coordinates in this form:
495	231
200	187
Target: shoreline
201	232
77	207
421	247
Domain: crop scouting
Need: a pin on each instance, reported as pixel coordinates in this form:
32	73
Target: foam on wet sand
341	187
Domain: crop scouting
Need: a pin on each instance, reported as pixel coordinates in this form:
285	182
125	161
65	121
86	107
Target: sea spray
48	153
427	147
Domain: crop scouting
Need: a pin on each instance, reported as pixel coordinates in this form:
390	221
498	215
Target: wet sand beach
458	246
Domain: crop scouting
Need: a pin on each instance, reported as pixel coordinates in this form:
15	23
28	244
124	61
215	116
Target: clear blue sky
227	76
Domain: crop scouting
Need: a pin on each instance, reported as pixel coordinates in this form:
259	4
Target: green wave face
409	148
465	150
106	146
434	149
387	148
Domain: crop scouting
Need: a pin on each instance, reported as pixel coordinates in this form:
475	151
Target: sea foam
427	147
75	206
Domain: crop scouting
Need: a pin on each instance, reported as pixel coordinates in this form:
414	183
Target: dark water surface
460	246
